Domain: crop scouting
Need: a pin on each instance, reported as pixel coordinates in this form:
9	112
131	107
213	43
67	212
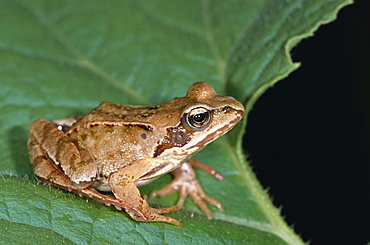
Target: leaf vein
82	60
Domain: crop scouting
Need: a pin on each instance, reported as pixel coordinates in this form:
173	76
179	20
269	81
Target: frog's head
205	117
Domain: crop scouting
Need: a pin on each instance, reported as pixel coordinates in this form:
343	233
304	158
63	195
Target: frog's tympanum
116	148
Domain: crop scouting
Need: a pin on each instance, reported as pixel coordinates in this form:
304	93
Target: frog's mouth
219	132
182	141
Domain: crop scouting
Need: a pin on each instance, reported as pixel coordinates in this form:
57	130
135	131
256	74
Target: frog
108	153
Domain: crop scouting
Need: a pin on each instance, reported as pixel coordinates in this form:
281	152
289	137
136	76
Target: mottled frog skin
117	148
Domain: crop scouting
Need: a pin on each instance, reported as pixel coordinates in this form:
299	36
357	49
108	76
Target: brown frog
120	147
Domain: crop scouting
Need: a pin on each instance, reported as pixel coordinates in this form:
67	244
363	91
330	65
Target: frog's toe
168	189
155	216
186	183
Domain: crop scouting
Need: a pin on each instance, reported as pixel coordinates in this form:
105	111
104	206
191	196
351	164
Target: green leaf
62	58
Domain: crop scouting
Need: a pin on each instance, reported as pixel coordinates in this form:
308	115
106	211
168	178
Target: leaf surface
62	58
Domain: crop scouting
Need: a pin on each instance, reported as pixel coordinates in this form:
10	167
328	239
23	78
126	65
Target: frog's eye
198	118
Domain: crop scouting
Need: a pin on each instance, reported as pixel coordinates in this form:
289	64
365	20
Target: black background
308	137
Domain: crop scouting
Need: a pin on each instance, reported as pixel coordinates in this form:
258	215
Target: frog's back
115	145
163	115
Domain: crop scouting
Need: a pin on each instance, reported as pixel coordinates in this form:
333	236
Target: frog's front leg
123	187
186	183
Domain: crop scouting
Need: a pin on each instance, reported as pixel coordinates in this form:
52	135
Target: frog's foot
148	214
143	213
186	183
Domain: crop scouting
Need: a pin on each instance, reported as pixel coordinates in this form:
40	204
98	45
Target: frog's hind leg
44	167
50	173
45	139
